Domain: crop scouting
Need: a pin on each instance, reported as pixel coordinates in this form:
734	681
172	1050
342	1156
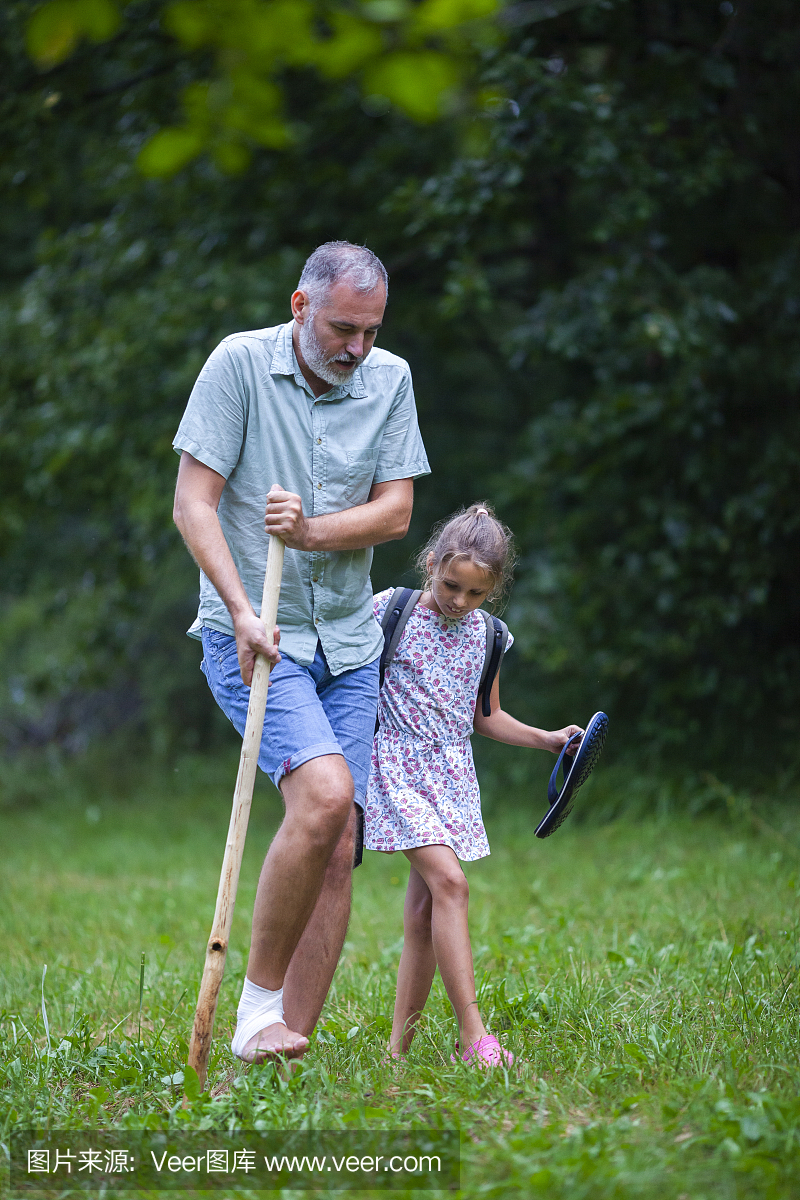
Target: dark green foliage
627	244
596	283
416	57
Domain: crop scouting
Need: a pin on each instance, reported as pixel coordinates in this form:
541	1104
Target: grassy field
643	970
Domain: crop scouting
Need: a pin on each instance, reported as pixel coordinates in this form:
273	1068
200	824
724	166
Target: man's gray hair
335	261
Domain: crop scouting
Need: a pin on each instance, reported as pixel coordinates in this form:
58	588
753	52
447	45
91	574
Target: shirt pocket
360	473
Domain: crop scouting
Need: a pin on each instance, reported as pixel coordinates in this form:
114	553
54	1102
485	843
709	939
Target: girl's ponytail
475	534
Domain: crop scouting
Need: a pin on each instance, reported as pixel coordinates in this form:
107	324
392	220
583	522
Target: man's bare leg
314	962
319	799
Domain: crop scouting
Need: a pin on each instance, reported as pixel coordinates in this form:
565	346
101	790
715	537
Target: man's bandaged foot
261	1031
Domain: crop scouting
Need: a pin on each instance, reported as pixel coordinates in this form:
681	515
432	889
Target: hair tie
482	511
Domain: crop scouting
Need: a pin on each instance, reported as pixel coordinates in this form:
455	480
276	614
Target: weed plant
643	970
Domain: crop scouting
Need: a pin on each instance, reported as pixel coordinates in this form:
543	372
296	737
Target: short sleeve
213	426
379	603
402	453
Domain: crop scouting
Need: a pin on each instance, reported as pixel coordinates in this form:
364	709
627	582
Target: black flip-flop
575	771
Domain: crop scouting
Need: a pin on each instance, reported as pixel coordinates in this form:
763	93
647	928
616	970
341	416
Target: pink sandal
487	1052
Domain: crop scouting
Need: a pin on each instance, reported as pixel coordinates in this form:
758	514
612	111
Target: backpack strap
395	618
496	642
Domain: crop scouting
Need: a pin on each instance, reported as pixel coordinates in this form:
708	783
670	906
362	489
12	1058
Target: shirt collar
283	359
284	362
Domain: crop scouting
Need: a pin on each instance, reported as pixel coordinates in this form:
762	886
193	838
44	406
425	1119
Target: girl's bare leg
417	963
440	870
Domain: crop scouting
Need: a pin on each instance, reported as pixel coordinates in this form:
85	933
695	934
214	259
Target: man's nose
355	345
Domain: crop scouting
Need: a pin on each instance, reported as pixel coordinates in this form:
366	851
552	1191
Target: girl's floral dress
423	790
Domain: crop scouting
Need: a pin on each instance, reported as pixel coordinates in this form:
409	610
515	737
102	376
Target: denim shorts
309	711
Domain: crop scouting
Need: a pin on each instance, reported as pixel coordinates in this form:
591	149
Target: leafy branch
413	57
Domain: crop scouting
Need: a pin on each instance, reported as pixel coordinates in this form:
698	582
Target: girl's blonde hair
476	535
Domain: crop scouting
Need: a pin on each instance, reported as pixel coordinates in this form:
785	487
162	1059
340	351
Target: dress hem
419	845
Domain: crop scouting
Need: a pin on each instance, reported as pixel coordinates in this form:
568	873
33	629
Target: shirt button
319	441
314	578
319	485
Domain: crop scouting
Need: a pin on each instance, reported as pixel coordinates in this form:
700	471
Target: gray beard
319	362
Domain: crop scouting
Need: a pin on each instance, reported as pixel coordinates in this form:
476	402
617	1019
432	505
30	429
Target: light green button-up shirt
253	418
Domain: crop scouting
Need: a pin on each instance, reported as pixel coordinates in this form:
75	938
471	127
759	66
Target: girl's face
459	588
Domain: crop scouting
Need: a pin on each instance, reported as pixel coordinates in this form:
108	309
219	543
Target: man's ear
301	307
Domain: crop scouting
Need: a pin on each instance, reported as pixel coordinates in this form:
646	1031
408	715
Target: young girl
423	793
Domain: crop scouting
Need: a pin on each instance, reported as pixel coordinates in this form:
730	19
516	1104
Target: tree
630	232
119	288
411	55
594	275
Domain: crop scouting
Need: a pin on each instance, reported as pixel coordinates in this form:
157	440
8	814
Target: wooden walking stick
217	949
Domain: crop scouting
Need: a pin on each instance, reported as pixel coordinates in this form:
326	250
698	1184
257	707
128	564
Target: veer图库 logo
257	1160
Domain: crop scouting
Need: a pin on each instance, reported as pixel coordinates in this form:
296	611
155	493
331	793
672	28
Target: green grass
644	971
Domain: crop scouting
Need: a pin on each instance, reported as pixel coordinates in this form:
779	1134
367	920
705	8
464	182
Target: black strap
496	642
395	619
566	763
358	847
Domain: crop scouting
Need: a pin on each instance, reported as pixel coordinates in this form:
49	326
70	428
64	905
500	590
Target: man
310	424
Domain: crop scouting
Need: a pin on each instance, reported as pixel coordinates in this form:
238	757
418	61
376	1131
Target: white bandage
258	1008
